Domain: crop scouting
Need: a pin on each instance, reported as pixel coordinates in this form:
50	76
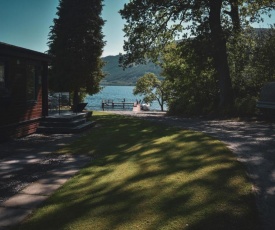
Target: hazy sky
26	23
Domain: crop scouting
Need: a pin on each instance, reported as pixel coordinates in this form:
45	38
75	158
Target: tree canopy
76	44
193	80
151	24
152	89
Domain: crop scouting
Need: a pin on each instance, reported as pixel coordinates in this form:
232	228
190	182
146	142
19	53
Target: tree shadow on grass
151	177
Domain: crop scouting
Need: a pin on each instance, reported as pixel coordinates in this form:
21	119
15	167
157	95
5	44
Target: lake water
117	94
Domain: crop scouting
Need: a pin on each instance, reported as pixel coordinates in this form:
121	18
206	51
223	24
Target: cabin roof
16	51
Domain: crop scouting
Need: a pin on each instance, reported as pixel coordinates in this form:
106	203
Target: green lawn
148	176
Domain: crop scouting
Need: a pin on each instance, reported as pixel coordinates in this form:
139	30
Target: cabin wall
20	114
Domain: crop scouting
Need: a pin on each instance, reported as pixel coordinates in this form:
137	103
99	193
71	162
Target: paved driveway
30	172
26	160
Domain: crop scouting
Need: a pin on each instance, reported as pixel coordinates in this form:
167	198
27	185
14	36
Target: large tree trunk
220	54
234	14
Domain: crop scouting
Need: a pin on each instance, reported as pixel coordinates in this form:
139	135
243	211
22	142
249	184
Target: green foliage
262	67
151	25
245	106
188	65
252	58
152	89
76	43
189	69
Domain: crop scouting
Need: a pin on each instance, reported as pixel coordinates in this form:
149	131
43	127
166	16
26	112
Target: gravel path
252	142
26	160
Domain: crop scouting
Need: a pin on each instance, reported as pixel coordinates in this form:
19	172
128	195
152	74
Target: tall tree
76	44
151	24
152	89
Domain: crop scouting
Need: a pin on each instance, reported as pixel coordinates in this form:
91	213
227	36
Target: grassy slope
150	177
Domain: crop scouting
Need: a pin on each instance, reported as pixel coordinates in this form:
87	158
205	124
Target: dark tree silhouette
76	44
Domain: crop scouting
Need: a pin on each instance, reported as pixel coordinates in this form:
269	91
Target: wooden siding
20	116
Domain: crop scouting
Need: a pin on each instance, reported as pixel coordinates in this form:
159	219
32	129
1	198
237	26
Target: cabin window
31	92
2	75
33	81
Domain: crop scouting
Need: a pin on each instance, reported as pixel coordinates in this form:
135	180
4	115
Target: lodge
23	90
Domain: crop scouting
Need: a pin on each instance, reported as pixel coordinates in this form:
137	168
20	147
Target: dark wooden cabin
23	90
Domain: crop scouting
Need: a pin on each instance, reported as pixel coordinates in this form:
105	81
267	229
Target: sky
26	23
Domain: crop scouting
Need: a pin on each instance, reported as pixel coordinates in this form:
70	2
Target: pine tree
76	44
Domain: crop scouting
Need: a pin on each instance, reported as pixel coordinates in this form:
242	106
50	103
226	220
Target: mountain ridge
115	75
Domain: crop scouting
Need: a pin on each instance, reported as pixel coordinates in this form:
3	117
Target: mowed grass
149	176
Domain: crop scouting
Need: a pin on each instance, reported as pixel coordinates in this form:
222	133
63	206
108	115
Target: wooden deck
112	104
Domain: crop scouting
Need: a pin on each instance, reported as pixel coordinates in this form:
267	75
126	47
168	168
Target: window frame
36	76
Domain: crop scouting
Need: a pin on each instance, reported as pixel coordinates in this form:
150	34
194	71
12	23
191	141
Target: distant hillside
117	76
